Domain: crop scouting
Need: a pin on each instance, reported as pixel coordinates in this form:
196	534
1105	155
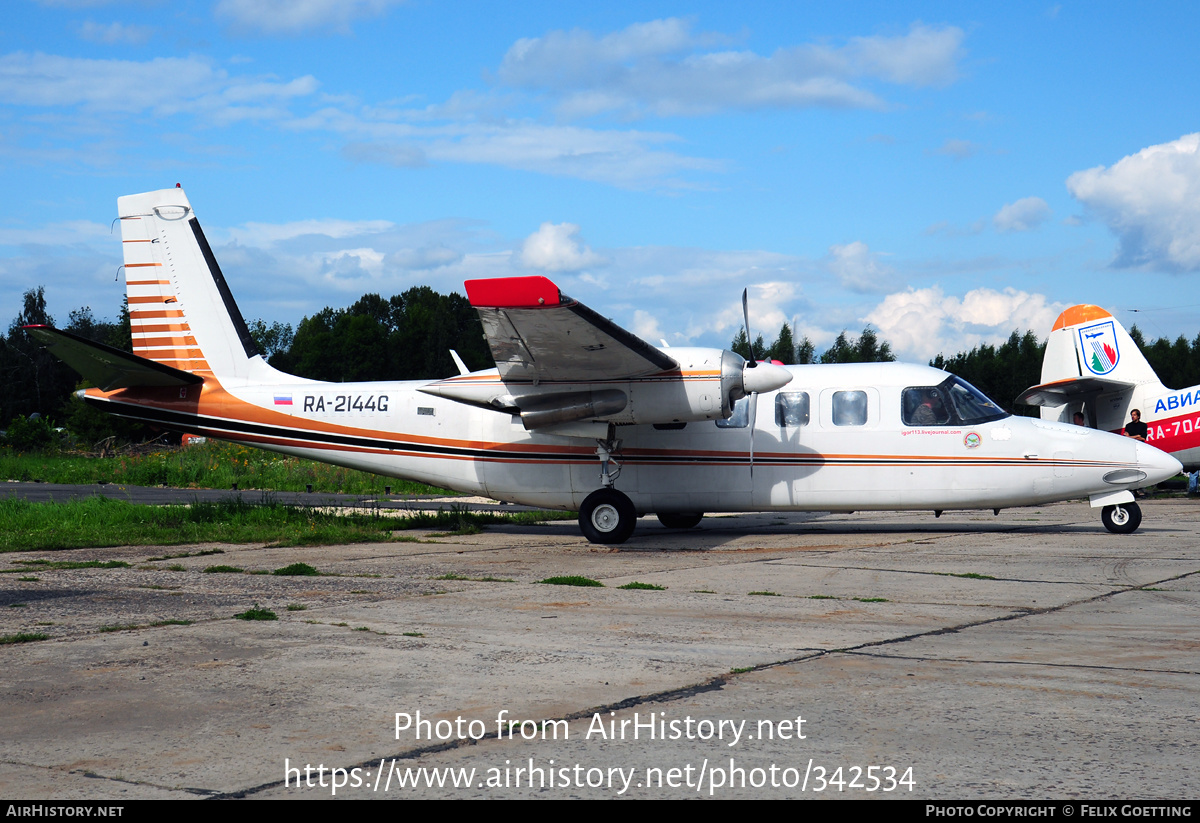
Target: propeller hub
764	377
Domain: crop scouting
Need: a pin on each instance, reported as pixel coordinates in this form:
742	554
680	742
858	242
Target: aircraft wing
1058	392
106	367
539	334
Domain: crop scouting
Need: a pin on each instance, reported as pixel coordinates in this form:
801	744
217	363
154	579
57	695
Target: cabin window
791	409
740	418
849	408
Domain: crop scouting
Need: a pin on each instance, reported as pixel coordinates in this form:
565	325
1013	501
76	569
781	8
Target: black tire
607	516
680	520
1123	518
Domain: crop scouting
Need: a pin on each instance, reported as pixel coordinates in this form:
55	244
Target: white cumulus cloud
920	323
558	247
1022	215
1151	201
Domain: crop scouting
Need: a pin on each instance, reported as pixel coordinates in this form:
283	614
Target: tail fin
181	310
1088	353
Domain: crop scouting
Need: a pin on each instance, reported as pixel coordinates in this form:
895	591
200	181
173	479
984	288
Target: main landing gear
1123	518
607	515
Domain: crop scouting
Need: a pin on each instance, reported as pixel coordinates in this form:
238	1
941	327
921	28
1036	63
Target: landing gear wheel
1123	518
680	520
607	516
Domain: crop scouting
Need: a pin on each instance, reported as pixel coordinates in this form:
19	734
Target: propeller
764	377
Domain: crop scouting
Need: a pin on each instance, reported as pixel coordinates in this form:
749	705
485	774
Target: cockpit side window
849	408
953	402
791	409
924	406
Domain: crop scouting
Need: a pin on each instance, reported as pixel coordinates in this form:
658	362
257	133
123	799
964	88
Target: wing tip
513	292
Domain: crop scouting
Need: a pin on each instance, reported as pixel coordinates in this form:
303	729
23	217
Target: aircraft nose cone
764	377
1157	464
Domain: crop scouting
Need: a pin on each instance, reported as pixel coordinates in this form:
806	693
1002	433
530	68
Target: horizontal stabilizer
106	367
1058	392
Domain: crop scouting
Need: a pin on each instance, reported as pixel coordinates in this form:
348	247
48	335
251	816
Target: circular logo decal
972	440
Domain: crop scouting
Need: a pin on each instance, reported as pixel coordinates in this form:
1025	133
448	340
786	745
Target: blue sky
944	172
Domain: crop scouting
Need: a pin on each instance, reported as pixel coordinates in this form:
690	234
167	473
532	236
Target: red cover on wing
512	292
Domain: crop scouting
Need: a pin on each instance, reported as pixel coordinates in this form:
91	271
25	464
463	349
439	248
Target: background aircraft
1093	366
577	404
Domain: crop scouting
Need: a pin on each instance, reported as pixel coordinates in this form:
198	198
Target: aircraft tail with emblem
1092	366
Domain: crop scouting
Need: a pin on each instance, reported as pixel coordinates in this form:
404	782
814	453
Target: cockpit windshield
953	402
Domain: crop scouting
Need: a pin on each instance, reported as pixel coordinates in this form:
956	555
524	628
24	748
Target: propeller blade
750	361
753	417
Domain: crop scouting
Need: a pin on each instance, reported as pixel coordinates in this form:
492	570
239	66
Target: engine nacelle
704	387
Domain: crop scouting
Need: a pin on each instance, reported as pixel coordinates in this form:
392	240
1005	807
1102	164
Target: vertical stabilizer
1091	366
181	310
1087	341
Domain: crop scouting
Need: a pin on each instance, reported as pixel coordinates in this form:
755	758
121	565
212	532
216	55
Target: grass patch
571	580
297	570
361	629
821	597
120	627
158	623
224	570
741	670
176	567
413	634
103	522
485	579
22	637
29	579
296	607
703	591
256	613
17	605
871	599
212	465
766	594
651	587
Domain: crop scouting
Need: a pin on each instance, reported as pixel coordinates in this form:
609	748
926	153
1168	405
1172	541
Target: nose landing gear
1123	518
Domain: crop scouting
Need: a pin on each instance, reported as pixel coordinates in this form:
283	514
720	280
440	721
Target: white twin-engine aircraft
1092	367
579	414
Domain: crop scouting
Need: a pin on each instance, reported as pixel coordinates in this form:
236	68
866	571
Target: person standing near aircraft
1135	428
1078	420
